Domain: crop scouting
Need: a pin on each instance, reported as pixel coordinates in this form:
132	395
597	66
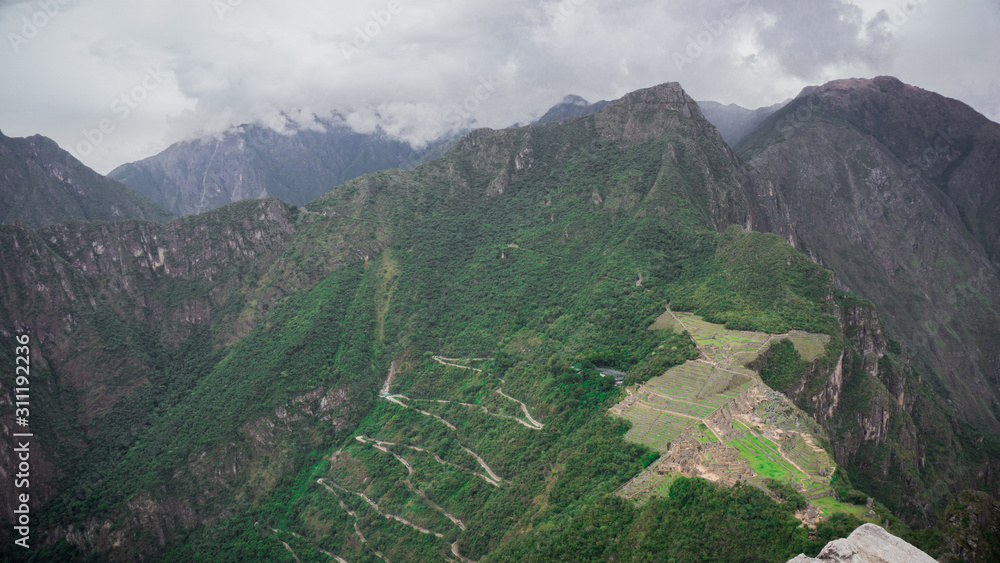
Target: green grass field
828	506
705	435
809	346
666	322
655	429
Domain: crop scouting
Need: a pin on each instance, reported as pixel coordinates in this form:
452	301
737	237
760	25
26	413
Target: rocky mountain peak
667	96
575	100
645	114
867	544
43	184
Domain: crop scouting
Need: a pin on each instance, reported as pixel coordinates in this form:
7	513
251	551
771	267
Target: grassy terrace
679	406
655	429
718	344
765	458
696	389
804	456
702	383
809	346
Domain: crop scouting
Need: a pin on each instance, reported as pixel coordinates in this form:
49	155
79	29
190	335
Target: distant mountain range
570	106
735	122
732	121
254	161
42	184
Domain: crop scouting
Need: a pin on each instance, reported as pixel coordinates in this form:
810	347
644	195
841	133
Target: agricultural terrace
667	404
677	405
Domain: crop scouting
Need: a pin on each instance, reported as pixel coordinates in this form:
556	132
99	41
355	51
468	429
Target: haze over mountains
735	122
400	368
297	166
254	161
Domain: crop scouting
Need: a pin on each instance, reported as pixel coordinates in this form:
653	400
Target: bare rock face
868	544
895	189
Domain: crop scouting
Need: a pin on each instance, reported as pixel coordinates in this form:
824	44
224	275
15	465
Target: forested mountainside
897	190
255	161
403	369
42	184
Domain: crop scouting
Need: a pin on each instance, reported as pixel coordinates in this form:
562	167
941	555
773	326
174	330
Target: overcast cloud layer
154	72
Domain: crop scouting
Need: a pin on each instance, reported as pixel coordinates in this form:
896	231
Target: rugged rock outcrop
868	544
896	190
103	302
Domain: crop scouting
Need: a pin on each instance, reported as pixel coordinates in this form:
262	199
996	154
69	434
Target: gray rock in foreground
868	544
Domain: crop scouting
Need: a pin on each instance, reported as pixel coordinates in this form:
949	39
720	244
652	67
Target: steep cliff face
41	184
253	161
972	529
894	435
150	521
113	310
875	180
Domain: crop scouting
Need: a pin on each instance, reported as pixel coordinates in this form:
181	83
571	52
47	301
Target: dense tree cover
780	365
787	493
697	521
758	282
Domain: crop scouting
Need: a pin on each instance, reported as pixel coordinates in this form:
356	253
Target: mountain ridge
530	249
852	191
255	161
44	184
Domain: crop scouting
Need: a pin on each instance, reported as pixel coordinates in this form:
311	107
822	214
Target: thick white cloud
155	72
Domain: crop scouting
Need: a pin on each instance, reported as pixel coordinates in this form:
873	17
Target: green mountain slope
389	372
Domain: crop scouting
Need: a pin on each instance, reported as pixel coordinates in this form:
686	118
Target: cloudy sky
115	81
